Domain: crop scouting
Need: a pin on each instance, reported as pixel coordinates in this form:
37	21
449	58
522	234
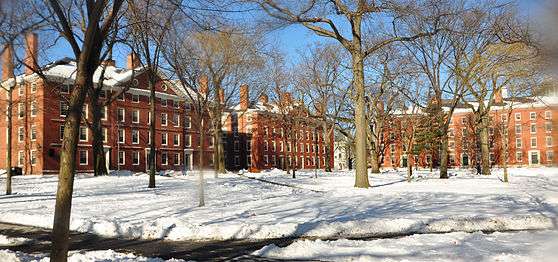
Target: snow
80	256
12	241
238	207
458	246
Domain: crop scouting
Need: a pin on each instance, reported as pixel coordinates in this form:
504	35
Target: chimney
498	99
264	99
244	97
133	60
7	63
108	62
221	94
286	98
203	84
30	60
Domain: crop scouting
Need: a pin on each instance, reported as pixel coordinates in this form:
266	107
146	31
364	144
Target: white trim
86	157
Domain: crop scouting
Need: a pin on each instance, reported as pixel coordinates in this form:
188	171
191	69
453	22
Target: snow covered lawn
80	256
326	207
458	246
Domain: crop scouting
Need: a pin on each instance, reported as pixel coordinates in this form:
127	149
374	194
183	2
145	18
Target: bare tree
364	20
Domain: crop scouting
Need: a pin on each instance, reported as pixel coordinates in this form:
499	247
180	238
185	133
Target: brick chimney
7	63
108	62
263	99
31	51
133	61
498	99
221	94
203	82
244	97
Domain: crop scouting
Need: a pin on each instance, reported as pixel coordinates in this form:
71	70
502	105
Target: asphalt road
234	250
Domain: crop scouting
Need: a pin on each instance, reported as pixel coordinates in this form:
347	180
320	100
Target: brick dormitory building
39	107
531	124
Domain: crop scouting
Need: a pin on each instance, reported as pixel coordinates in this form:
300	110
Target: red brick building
260	135
39	109
530	124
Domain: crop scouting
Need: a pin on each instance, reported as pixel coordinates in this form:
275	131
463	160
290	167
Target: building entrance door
465	160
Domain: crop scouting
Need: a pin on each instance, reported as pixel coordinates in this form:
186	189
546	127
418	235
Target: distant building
264	135
341	154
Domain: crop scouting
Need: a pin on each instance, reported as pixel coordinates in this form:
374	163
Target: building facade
40	106
265	135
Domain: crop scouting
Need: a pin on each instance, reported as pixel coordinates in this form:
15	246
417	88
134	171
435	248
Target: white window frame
123	158
33	157
175	135
177	122
165	142
86	157
34	109
33	133
533	116
533	131
135	100
548	141
134	155
123	141
105	133
531	142
123	110
20	158
177	163
547	115
137	140
86	134
517	116
164	119
166	158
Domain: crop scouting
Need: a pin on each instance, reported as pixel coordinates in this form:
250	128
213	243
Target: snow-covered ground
325	207
12	241
80	256
458	246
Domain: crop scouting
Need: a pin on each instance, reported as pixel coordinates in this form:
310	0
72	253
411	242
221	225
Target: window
135	98
307	148
274	159
121	158
34	108
188	142
104	113
20	110
176	120
61	131
547	115
518	143
82	133
517	116
163	119
21	90
533	128
121	115
105	135
121	136
451	133
135	136
164	159
64	108
33	133
135	158
83	157
533	115
274	146
518	128
163	102
135	116
188	122
266	145
176	104
33	155
85	111
518	157
549	157
20	158
176	159
266	160
533	142
548	127
65	89
122	96
548	141
176	140
164	139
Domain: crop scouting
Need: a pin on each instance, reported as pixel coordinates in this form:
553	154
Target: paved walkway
234	250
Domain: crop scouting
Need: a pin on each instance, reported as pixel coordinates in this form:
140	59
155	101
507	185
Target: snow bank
80	256
12	241
459	246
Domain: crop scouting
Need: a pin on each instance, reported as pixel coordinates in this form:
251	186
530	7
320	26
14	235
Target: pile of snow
12	241
80	256
519	246
324	207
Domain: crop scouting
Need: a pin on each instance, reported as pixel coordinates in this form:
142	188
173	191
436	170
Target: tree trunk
62	211
99	161
327	144
374	162
505	147
444	156
485	147
9	144
152	152
361	174
409	170
201	193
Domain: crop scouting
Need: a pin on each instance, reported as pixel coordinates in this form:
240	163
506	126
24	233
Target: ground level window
549	157
83	155
135	158
121	157
164	159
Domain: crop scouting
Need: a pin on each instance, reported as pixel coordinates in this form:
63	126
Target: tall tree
355	25
85	26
